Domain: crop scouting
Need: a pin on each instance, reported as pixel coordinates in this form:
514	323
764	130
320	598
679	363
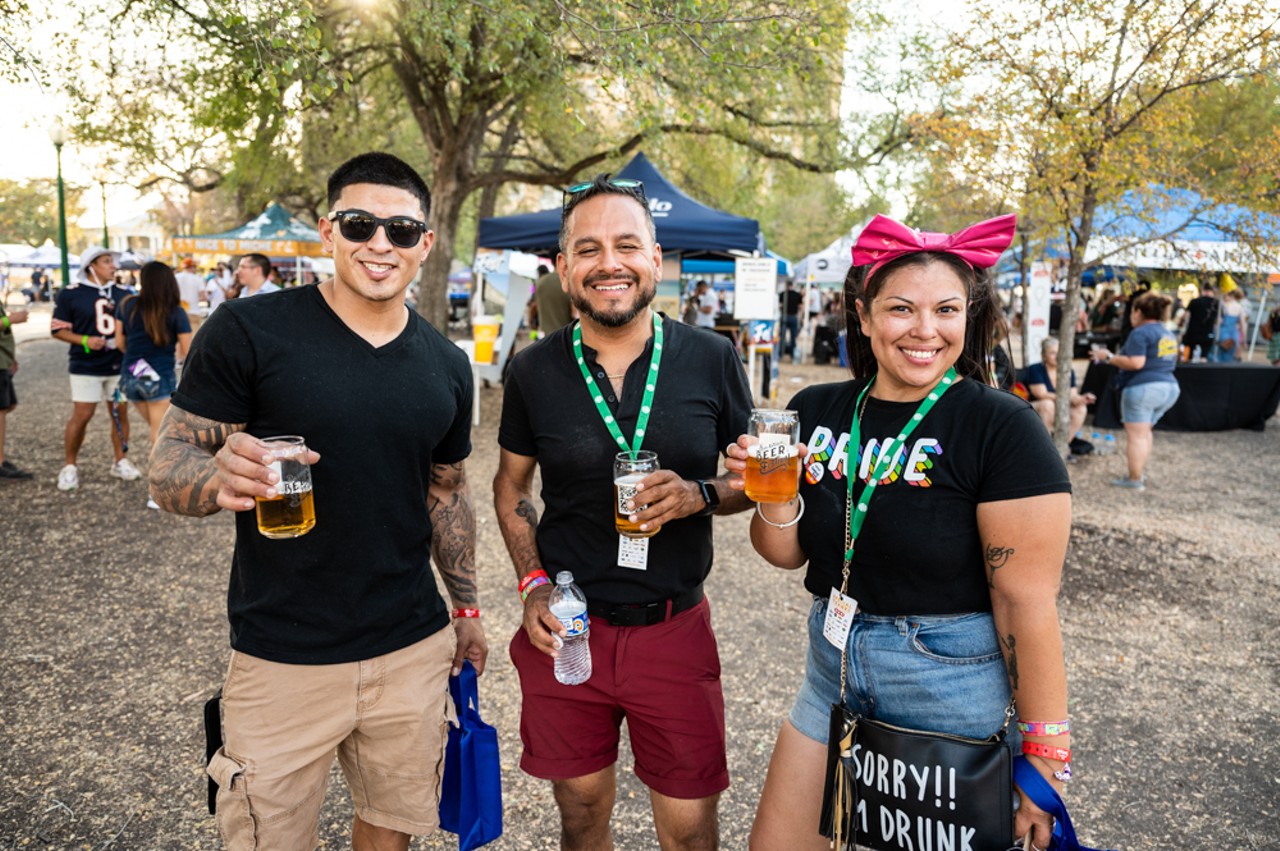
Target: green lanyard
856	513
650	382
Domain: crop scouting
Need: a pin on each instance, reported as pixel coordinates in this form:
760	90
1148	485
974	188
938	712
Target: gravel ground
114	634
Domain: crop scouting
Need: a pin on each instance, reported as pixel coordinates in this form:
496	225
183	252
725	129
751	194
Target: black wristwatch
709	495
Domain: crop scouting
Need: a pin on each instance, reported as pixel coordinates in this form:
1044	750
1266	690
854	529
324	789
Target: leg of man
3	415
1044	407
73	436
792	795
586	807
368	837
686	824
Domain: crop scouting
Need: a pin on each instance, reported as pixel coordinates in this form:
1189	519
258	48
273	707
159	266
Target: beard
621	316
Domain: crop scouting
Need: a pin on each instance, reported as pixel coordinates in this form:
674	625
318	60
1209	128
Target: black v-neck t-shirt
360	583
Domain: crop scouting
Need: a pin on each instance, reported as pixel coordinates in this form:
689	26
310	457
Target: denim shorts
942	673
1147	403
138	389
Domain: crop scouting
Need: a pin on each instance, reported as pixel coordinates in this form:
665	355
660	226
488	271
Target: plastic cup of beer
629	470
292	513
773	458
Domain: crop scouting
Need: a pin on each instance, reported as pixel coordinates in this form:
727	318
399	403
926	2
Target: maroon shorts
664	679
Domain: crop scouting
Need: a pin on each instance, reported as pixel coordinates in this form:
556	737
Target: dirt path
114	633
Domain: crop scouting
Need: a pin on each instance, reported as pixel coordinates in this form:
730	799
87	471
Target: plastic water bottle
569	605
1195	355
1109	445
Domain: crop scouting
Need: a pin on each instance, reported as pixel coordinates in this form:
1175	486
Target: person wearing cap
190	286
84	316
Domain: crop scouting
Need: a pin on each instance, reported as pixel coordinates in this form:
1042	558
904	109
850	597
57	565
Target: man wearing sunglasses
340	638
620	377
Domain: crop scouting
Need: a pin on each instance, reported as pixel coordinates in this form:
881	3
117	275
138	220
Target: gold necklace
619	375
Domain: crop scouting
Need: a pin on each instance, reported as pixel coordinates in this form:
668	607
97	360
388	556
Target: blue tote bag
471	792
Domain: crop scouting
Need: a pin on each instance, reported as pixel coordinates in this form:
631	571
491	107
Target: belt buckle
642	614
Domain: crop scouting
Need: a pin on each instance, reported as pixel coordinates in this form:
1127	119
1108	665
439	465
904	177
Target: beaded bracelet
1047	751
1044	728
793	521
466	613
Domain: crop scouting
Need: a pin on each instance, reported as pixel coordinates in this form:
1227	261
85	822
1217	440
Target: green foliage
29	210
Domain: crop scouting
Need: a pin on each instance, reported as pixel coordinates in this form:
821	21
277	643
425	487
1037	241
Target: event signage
755	284
1036	307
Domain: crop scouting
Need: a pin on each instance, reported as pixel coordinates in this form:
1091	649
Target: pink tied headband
979	245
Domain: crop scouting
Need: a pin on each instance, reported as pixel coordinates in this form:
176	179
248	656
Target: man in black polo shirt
1200	321
621	378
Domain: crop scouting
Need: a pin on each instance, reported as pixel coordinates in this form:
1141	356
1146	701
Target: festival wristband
84	341
528	589
532	575
466	613
6	321
1044	728
1047	751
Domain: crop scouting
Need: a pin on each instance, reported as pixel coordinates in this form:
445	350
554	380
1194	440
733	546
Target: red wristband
1047	751
532	575
466	613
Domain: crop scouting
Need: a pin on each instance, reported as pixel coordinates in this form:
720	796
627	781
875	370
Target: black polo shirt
700	404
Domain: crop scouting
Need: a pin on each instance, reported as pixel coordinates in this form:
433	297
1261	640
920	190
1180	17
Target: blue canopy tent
722	266
683	224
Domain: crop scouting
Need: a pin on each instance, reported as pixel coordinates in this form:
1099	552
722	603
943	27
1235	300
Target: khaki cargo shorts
388	719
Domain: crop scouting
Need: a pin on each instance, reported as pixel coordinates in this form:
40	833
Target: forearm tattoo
1010	644
453	532
523	542
997	557
183	473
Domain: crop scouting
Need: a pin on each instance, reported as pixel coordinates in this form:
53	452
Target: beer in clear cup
773	458
629	470
292	512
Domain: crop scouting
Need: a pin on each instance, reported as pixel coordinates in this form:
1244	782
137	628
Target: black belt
645	614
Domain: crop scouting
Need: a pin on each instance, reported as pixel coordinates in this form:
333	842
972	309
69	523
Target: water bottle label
575	626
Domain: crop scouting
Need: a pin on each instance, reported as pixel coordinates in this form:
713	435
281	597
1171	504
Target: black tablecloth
1215	397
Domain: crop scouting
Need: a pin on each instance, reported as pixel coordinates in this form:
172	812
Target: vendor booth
686	229
275	233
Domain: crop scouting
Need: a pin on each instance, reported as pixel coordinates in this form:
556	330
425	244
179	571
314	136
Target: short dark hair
381	169
259	260
601	185
982	312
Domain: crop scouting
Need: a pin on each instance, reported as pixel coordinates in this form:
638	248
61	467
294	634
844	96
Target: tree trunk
1067	329
447	197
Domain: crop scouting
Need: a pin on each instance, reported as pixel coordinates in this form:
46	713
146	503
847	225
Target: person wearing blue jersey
84	316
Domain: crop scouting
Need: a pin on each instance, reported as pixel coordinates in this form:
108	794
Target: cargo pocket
235	820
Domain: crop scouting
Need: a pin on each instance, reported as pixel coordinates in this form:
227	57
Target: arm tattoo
453	532
524	545
183	473
997	557
1010	644
525	509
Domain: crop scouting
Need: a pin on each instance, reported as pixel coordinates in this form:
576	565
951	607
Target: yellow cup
486	333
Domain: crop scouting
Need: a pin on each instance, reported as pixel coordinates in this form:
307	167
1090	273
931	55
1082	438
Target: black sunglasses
359	226
620	182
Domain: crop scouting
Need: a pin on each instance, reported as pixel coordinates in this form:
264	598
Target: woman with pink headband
942	509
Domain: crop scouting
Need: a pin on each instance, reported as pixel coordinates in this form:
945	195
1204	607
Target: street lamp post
58	135
102	181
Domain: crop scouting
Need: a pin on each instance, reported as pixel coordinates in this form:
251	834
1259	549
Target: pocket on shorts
235	819
964	640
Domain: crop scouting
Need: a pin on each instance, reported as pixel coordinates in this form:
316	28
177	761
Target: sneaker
69	478
9	470
124	469
151	503
1131	484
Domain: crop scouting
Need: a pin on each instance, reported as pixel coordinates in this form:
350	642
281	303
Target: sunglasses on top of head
635	186
359	226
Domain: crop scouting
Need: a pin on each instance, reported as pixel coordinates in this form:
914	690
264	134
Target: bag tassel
843	795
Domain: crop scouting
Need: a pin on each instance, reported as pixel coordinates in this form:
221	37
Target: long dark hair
157	298
982	312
